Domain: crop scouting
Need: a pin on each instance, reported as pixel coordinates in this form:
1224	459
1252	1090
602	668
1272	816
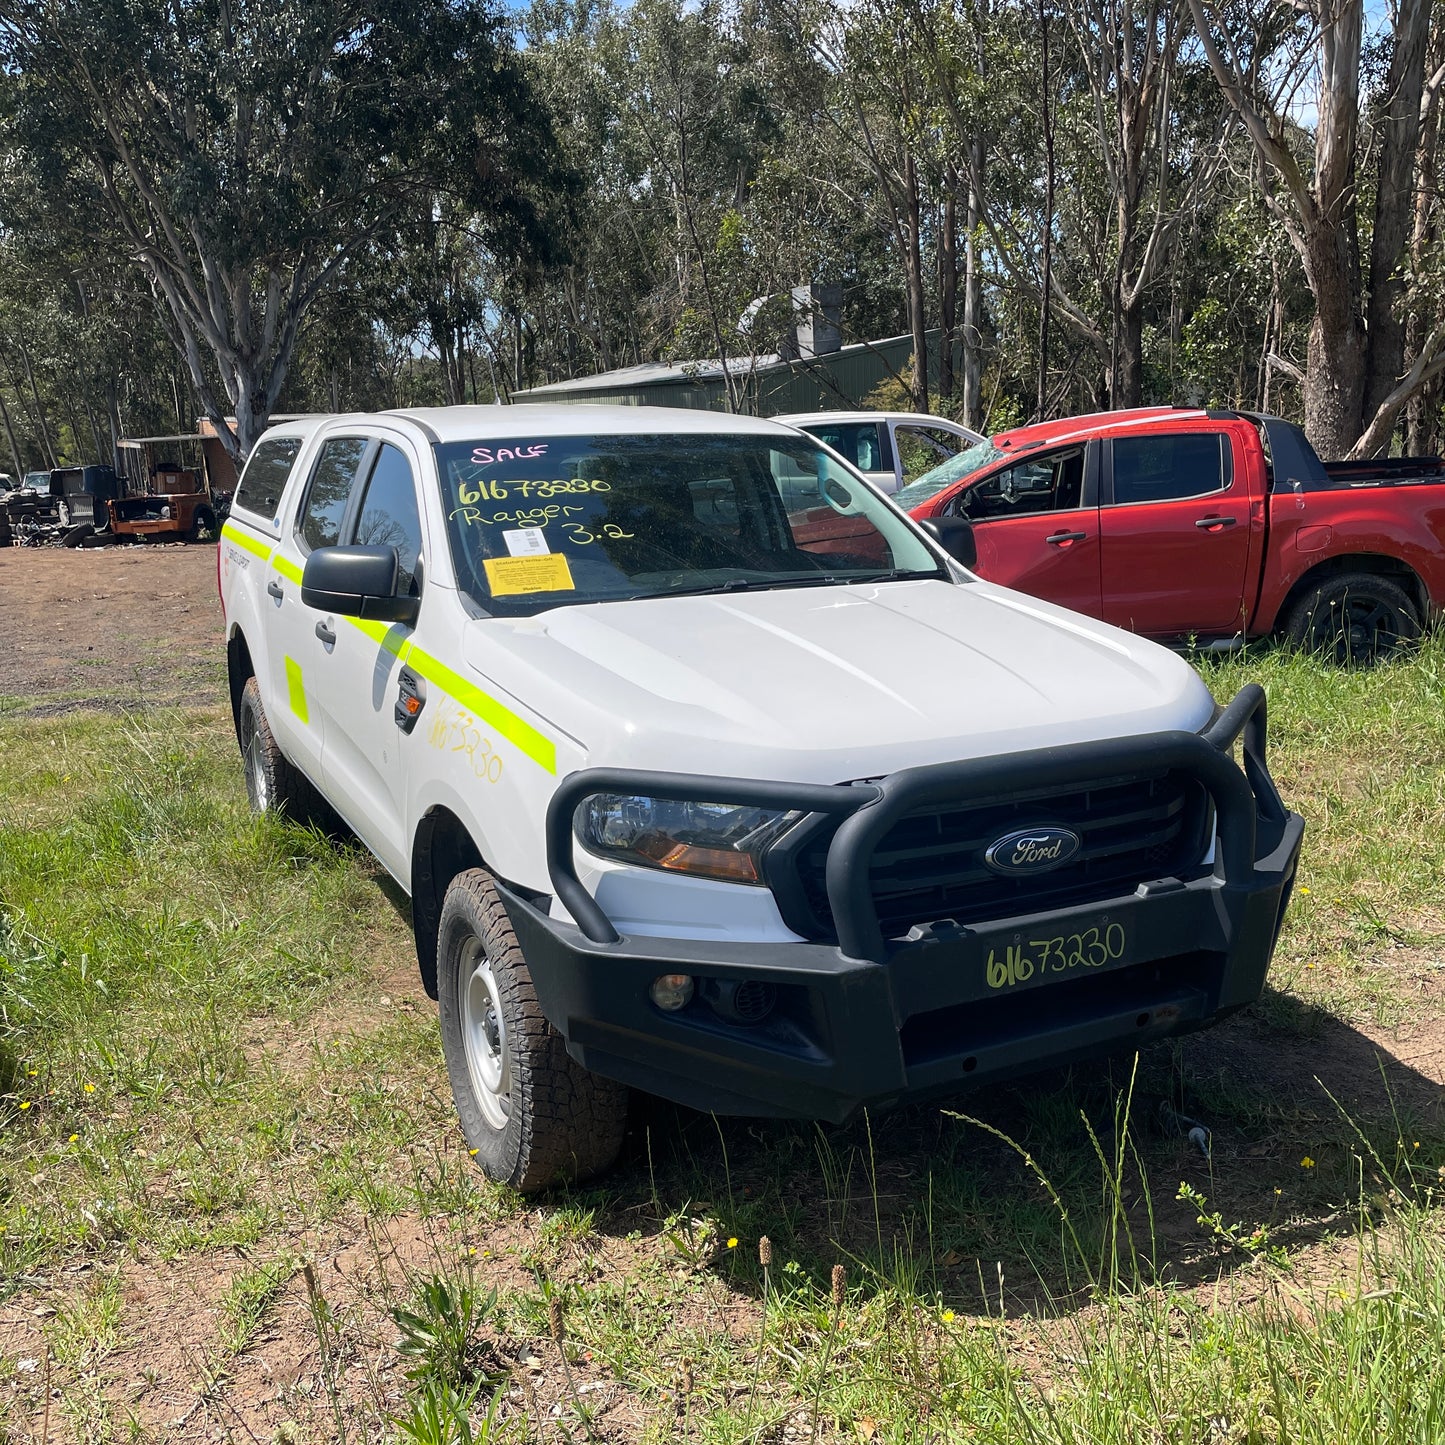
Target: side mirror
357	582
955	536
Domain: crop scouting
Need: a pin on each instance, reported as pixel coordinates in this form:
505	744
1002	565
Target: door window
1168	468
388	515
264	478
857	442
324	509
921	448
1050	483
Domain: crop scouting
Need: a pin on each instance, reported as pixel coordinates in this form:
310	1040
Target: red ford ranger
1202	524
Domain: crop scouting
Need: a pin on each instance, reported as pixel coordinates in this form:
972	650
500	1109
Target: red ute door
1037	527
1174	534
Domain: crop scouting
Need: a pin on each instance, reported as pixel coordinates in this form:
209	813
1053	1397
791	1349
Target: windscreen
945	474
541	521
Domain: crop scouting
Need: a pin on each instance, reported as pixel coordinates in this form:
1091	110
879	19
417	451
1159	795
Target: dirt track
119	627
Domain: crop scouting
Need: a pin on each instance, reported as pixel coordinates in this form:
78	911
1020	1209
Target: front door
1037	528
1174	535
359	681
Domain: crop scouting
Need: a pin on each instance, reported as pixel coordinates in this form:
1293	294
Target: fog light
672	991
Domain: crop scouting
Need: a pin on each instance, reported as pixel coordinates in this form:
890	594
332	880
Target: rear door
1174	533
1037	525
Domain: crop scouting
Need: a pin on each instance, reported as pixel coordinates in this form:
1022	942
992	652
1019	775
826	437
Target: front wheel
533	1115
1354	619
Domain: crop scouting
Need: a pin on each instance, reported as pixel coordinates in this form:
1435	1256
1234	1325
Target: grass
230	1174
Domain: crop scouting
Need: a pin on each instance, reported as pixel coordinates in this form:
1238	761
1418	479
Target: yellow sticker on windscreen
510	576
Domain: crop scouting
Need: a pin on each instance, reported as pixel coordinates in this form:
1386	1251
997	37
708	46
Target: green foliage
438	1331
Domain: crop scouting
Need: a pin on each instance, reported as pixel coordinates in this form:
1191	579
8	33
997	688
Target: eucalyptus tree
245	150
1365	145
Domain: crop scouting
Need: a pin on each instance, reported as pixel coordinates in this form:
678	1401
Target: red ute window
1165	468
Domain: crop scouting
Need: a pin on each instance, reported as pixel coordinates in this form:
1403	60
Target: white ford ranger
696	793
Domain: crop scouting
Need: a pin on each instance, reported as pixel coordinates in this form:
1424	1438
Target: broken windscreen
542	521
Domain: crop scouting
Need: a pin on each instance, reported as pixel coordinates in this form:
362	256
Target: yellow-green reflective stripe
296	690
542	750
245	541
384	634
287	568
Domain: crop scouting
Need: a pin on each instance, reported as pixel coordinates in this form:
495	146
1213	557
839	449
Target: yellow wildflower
1307	1163
26	1104
90	1088
732	1243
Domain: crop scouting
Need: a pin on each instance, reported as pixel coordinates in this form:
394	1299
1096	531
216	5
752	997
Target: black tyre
272	784
1354	619
203	526
534	1115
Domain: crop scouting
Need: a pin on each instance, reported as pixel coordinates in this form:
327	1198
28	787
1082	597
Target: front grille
930	866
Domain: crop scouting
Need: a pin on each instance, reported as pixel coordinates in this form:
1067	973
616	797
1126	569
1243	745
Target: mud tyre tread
566	1125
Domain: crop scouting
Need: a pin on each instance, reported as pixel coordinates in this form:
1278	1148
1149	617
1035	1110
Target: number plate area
1040	957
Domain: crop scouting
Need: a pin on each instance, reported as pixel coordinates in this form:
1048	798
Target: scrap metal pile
89	507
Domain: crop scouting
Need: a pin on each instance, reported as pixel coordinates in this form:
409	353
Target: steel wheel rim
484	1036
257	786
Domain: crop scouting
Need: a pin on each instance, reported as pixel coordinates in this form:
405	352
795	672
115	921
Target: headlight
713	840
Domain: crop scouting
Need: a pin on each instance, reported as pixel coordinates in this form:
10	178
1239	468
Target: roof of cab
533	419
1099	423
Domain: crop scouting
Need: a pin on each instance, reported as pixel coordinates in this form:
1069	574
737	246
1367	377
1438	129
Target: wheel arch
239	668
1373	563
441	848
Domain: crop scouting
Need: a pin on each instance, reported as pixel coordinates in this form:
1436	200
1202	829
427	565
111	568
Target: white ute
711	774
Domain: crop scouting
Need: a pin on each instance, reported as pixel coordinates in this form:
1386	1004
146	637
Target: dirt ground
121	628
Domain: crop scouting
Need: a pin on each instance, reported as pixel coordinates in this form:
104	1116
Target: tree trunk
39	409
1385	358
948	283
10	437
1334	385
917	316
972	364
1127	383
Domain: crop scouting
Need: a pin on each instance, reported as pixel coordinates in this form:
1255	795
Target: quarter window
330	490
1166	468
264	479
388	515
1052	483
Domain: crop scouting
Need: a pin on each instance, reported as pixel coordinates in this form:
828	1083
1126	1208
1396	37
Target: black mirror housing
955	536
357	582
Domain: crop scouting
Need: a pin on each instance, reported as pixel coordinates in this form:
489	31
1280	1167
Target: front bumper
870	1020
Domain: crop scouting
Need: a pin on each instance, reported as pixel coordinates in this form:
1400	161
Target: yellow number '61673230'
1092	948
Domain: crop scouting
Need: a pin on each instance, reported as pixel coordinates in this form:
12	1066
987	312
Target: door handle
1059	538
326	634
1208	524
274	588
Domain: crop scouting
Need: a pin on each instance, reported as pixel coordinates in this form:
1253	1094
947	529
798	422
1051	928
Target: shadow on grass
1027	1196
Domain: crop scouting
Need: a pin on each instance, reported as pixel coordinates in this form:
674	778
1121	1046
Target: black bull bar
1250	817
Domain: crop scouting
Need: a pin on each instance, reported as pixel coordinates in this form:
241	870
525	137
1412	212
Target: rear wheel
203	526
272	784
1354	619
533	1115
